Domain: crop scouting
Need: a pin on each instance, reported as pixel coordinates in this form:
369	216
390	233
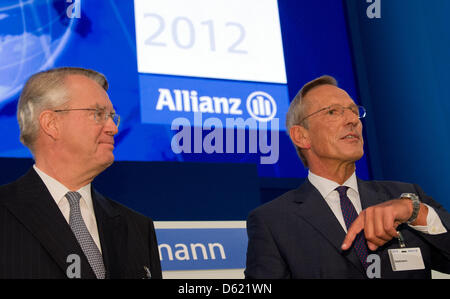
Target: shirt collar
326	186
58	191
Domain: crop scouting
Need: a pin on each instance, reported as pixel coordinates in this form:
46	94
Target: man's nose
350	117
111	127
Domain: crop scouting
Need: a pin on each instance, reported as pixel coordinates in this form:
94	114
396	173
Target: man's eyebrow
97	106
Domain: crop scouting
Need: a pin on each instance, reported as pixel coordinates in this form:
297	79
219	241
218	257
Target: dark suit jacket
298	236
35	239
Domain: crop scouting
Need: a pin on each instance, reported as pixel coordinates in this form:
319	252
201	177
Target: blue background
402	63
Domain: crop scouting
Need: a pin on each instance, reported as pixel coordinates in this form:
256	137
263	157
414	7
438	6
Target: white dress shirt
327	190
58	192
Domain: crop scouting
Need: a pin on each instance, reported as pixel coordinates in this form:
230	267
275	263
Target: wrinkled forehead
327	95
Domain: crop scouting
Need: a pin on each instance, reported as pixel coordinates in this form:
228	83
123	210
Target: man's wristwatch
416	205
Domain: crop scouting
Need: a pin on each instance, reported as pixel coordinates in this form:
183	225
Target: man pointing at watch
336	225
379	222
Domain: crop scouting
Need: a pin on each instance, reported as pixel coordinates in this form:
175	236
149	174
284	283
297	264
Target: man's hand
380	222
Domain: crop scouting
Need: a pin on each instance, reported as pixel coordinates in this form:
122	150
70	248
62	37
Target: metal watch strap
416	205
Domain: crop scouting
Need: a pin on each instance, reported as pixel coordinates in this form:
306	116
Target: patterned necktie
83	236
350	214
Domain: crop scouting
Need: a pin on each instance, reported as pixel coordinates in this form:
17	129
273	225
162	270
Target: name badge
404	259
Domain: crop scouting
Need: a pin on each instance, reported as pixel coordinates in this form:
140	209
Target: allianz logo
260	105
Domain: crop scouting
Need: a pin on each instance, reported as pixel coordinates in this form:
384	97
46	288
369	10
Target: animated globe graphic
32	35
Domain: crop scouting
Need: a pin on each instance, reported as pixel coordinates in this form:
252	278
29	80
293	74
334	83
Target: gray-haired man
54	224
336	225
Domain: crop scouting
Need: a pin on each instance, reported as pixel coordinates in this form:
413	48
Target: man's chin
357	156
106	160
352	156
110	161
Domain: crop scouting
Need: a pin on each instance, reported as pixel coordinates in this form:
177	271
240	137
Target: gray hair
298	108
44	91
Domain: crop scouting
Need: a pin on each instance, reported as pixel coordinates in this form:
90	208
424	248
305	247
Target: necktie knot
342	190
73	198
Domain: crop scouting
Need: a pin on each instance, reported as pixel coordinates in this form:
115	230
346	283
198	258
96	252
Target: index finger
356	227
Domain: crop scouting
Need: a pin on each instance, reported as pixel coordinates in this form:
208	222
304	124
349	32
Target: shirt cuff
434	224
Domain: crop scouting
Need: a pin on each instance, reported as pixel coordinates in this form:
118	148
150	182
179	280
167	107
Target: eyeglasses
100	115
336	111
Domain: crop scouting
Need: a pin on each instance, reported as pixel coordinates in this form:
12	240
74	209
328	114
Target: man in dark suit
53	224
336	225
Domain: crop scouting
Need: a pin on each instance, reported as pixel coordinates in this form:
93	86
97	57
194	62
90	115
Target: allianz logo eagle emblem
261	106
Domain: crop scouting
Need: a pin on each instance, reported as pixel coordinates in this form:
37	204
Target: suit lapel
370	195
314	209
36	209
113	235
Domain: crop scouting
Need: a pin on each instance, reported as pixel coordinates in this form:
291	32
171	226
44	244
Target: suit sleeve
264	260
440	259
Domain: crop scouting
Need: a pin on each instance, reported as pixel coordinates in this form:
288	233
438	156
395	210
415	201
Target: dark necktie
83	236
350	214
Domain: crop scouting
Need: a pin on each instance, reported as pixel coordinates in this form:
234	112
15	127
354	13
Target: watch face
410	196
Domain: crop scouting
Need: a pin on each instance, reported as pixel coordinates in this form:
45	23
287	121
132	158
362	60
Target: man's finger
372	246
382	225
390	226
369	229
356	227
379	227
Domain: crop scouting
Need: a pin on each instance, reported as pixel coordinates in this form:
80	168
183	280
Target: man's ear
300	136
48	121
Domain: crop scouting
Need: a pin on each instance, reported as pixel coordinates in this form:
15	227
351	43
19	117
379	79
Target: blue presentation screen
196	80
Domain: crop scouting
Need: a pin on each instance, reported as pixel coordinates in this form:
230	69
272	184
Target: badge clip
401	240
